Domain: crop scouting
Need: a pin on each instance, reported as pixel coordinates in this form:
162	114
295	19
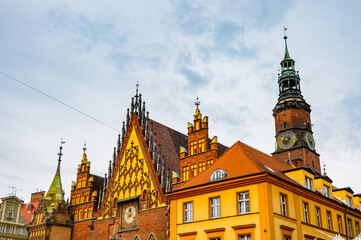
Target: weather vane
284	30
84	148
197	103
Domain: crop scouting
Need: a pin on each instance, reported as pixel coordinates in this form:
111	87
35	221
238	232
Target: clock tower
295	144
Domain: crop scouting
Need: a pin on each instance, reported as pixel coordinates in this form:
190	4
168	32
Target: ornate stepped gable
145	162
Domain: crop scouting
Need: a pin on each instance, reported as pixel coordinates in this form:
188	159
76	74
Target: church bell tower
295	144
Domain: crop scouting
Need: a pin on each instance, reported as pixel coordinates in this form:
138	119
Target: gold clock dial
286	140
310	140
129	215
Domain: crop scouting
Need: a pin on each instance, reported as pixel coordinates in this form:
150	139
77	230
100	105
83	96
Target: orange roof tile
241	160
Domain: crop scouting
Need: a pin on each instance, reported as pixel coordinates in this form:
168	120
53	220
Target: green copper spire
288	79
55	192
287	55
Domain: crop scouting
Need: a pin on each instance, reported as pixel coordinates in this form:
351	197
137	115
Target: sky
91	54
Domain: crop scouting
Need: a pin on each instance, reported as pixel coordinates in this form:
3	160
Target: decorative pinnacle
136	92
324	169
60	154
84	148
197	103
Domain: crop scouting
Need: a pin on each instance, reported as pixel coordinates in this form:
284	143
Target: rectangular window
193	147
10	215
185	173
283	201
244	237
318	216
12	230
309	184
2	228
201	167
349	225
357	226
209	163
349	201
326	191
306	216
329	220
193	170
339	224
188	212
215	207
243	203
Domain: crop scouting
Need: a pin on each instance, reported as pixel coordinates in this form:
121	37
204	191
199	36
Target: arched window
136	238
151	237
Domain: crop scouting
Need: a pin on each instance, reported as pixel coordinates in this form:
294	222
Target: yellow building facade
246	194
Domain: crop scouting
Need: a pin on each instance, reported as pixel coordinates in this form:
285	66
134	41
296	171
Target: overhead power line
57	100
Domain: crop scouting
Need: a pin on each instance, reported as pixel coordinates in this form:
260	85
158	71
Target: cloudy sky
90	54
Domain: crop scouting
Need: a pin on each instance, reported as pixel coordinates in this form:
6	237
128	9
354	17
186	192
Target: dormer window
218	174
349	201
309	184
326	191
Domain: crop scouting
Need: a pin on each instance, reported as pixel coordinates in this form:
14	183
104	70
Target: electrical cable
67	105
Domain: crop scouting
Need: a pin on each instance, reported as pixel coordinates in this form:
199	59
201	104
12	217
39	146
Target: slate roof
170	140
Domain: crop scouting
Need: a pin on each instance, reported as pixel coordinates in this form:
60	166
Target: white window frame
243	203
339	223
244	237
349	201
329	220
215	207
306	212
357	226
283	201
309	183
318	216
326	191
188	212
349	225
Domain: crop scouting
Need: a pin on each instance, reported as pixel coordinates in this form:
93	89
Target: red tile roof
241	160
27	211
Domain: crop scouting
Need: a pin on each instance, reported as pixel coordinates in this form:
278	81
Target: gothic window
285	124
151	237
136	238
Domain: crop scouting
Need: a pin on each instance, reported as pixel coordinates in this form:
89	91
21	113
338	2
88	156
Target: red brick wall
149	221
295	118
81	230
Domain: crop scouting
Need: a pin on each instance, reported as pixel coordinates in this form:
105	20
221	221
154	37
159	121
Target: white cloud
91	54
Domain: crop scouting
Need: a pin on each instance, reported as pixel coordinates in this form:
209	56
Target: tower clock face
310	140
129	215
286	140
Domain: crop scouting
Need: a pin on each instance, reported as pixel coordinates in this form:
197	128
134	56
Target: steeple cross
197	103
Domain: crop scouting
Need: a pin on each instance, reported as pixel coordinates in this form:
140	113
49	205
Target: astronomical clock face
286	140
129	215
310	140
